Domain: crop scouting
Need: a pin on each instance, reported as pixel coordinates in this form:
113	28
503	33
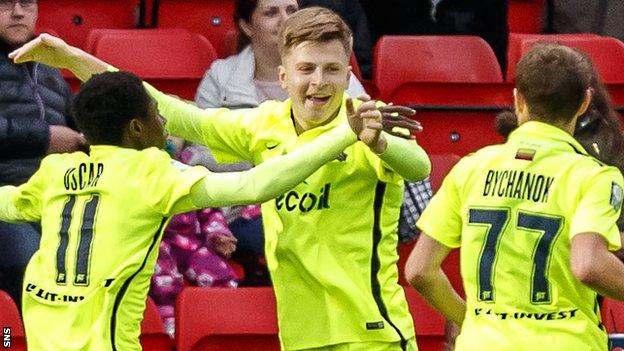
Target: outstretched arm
280	174
54	52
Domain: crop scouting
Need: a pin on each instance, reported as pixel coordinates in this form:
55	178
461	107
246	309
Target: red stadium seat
524	16
173	61
221	319
403	59
11	324
95	34
514	47
613	315
211	18
428	322
441	165
153	336
73	19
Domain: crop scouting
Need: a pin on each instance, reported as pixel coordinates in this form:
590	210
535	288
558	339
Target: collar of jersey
545	131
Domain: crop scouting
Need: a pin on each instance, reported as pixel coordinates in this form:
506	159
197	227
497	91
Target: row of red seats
222	319
73	19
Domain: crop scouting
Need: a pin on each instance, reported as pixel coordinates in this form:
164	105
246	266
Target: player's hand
64	139
46	49
366	123
224	245
396	120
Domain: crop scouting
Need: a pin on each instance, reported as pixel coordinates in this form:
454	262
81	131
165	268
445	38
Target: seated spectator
250	77
34	110
193	252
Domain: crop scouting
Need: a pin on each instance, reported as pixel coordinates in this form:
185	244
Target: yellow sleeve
168	183
442	219
28	197
599	206
226	132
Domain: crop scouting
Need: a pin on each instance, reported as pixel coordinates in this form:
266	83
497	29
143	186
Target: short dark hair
553	79
106	103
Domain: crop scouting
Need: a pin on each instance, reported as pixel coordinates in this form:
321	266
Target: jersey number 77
546	227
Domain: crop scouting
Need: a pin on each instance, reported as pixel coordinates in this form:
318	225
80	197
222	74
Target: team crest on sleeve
616	196
179	165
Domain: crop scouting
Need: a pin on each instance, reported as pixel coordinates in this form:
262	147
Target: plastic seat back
222	319
211	18
460	59
11	324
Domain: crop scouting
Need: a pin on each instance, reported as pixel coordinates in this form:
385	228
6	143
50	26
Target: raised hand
396	121
366	123
54	52
45	49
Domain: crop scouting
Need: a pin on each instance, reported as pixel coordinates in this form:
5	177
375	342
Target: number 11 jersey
102	217
513	210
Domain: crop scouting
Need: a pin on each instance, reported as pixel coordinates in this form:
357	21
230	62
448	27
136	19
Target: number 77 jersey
512	209
102	217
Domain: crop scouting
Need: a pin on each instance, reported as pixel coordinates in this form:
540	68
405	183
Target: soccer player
535	219
330	242
102	213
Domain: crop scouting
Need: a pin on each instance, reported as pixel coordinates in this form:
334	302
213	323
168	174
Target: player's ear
135	127
281	73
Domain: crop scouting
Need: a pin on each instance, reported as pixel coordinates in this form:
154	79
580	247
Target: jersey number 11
85	240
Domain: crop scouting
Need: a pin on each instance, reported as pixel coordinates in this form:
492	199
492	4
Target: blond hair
314	24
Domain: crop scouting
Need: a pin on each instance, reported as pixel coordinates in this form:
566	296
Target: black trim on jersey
125	285
380	190
600	163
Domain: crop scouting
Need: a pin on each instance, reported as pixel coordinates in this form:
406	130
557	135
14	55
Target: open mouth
318	99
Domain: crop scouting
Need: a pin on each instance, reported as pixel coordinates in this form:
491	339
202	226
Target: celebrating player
535	219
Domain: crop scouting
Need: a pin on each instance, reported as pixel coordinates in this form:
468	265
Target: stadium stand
10	318
73	19
172	60
524	16
221	319
153	336
211	18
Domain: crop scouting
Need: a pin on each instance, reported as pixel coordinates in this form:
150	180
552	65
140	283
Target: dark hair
243	9
106	103
314	24
553	78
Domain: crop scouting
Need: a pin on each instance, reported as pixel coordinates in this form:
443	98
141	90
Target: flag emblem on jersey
525	154
617	195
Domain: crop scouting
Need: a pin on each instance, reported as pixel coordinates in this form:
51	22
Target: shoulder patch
180	166
617	195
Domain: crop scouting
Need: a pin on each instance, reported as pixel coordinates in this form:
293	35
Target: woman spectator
250	77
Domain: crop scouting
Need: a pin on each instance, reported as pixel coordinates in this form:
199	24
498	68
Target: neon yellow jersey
331	241
513	209
101	215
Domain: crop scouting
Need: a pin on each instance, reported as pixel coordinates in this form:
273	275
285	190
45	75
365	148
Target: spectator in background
484	18
246	80
601	17
352	12
34	110
250	77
